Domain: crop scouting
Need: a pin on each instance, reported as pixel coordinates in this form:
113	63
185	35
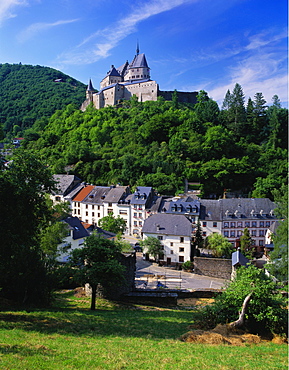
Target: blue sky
189	44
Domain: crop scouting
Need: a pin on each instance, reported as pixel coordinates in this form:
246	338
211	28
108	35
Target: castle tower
112	77
89	91
138	68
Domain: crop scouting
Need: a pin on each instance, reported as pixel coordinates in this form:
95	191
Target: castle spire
137	48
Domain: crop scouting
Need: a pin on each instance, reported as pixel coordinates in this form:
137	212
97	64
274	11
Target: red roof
83	193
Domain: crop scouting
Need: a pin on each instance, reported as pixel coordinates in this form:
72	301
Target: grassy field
114	337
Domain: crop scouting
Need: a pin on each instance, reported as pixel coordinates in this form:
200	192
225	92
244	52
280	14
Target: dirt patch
194	302
224	334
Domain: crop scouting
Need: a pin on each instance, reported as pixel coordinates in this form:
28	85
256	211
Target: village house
76	235
175	234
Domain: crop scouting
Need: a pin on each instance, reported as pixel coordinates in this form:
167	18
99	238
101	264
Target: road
150	275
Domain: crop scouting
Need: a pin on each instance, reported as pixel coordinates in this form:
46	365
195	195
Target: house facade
230	217
174	233
75	238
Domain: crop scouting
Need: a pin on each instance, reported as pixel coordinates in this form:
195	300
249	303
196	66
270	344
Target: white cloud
86	53
39	27
7	7
259	66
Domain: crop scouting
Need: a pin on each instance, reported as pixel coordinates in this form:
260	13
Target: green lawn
69	336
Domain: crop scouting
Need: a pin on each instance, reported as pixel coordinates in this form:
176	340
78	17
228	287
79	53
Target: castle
127	80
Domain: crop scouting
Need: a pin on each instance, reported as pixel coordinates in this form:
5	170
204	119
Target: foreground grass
69	336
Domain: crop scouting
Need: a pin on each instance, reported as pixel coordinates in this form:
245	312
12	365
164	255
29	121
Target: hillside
160	144
33	93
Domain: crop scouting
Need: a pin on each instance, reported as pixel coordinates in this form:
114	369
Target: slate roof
96	195
167	224
75	224
141	195
238	259
116	194
182	206
113	72
122	69
105	234
237	208
139	61
65	183
90	86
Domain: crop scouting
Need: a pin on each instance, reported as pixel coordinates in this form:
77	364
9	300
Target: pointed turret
138	68
90	90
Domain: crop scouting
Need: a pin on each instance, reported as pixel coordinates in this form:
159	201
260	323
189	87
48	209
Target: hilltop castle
127	80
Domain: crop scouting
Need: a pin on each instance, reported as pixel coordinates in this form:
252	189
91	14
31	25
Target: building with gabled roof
75	238
175	234
130	79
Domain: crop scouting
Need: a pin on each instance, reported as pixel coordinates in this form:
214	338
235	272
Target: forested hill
30	93
160	144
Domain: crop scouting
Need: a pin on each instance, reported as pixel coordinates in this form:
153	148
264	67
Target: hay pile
221	334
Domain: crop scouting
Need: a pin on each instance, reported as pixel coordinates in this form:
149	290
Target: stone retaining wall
214	267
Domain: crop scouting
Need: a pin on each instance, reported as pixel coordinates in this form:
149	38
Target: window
226	224
123	212
135	215
140	223
261	232
135	223
239	233
233	224
110	210
78	211
181	258
204	233
98	207
172	252
232	234
75	211
58	199
171	244
140	215
239	224
247	224
214	224
181	239
92	214
181	249
204	223
254	223
160	237
92	207
261	224
98	215
86	206
110	204
226	234
267	223
86	213
261	243
253	232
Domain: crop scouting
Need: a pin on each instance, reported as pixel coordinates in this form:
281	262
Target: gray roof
238	259
167	224
139	61
65	183
122	69
97	195
78	229
105	234
113	72
237	208
141	195
90	86
116	194
182	206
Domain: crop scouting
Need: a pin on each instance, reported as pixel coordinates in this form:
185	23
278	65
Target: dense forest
241	147
33	93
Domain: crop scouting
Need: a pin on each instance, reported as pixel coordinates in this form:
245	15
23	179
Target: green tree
153	246
246	243
24	212
219	245
266	311
278	265
113	224
97	263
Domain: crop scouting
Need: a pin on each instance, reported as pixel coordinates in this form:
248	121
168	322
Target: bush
266	312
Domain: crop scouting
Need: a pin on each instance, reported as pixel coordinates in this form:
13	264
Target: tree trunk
93	297
240	322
